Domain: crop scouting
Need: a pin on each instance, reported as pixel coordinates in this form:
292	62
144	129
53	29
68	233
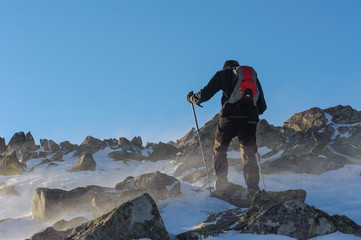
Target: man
242	103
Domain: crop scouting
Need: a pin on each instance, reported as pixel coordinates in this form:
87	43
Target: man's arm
208	91
261	102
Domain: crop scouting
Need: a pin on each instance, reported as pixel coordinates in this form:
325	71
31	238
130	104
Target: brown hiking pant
227	129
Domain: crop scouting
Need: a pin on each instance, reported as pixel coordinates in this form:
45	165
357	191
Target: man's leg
224	135
248	151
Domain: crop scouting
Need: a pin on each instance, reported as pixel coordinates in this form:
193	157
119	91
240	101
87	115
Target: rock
30	143
268	215
62	225
50	165
344	114
53	147
52	204
45	144
268	135
2	145
51	234
188	137
16	142
312	119
89	145
43	154
137	142
135	219
162	151
58	156
159	185
124	156
6	190
67	147
111	142
241	197
85	163
25	156
11	166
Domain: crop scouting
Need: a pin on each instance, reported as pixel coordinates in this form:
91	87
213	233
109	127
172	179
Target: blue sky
115	68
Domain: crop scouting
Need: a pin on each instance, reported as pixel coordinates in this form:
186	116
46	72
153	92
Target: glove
189	96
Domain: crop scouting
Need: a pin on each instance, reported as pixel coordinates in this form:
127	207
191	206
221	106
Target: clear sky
116	68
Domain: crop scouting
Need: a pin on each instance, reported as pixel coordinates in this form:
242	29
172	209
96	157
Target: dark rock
124	156
162	151
58	156
16	142
111	142
52	204
190	135
2	145
45	144
85	163
52	165
10	165
268	135
137	142
30	143
51	234
53	147
25	156
67	147
135	219
43	154
89	145
344	114
45	161
241	197
62	225
269	215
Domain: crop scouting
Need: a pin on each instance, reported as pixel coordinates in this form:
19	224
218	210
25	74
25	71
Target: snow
335	192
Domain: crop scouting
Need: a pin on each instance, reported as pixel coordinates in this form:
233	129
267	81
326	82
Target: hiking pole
258	156
200	143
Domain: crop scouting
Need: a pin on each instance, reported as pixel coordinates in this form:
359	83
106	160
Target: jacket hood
230	64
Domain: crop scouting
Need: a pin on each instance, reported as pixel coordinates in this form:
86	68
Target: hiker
242	103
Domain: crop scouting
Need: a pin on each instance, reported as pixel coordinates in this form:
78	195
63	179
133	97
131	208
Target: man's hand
189	96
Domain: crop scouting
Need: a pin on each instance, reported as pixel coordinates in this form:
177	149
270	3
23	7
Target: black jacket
225	80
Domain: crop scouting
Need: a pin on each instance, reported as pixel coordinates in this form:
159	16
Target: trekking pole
258	156
200	143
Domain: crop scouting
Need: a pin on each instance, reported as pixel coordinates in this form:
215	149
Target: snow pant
245	130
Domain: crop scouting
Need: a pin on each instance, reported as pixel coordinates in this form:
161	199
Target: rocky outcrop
58	156
85	163
53	146
89	145
44	143
137	142
68	147
241	197
135	219
162	151
310	120
62	225
10	165
268	215
344	114
2	145
52	204
16	142
30	143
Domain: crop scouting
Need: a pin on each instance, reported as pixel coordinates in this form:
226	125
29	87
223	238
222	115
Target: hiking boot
221	183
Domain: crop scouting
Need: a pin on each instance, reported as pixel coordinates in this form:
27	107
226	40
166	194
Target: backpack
245	92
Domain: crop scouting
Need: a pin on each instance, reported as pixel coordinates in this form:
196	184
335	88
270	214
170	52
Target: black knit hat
230	64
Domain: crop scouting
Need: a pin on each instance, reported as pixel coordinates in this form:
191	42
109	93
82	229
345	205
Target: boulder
2	145
162	151
30	143
50	165
137	142
138	218
45	144
16	142
135	219
67	147
52	204
10	165
241	197
111	142
124	156
53	146
89	145
58	156
62	225
268	215
43	154
85	163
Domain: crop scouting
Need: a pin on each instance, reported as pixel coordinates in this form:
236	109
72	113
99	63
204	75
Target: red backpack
245	91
